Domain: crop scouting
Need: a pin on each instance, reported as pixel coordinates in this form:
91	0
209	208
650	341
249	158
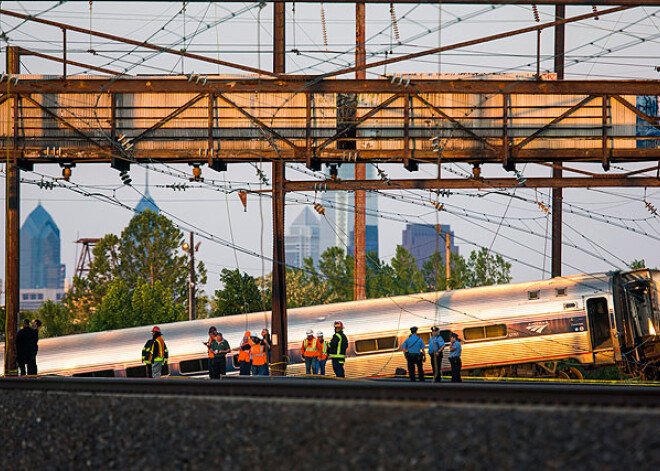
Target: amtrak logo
537	327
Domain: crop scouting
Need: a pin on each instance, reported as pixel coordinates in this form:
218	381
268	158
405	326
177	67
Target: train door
599	324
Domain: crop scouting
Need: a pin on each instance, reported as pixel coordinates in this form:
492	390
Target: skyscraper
337	227
40	252
146	202
422	240
302	240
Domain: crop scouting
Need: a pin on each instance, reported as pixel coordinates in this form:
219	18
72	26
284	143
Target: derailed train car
540	328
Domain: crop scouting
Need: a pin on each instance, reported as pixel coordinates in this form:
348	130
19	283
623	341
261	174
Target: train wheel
563	375
574	373
494	373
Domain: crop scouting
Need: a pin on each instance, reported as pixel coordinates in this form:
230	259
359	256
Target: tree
407	277
637	264
380	278
305	287
484	269
434	273
58	320
337	270
239	294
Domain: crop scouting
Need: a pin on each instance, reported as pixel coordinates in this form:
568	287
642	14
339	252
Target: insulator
595	9
651	208
324	27
242	195
66	173
395	25
535	11
543	207
319	209
197	173
437	205
476	171
125	177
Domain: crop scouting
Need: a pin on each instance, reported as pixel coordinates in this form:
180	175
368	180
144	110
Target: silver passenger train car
520	329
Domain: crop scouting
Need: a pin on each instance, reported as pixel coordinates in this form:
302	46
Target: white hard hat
310	332
319	334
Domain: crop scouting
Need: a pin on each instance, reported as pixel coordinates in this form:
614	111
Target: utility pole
278	312
359	232
190	249
12	222
557	193
447	258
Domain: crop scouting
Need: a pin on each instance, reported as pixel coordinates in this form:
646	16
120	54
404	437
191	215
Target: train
529	329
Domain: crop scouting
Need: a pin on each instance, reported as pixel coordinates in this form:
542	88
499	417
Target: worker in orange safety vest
310	353
259	357
244	363
323	352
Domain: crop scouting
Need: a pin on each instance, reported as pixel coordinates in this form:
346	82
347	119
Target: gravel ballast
47	430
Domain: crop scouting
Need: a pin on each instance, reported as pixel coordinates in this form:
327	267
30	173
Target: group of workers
27	346
255	352
413	349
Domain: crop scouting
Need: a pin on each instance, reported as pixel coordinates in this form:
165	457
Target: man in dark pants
220	349
34	348
24	346
455	350
413	349
337	350
436	346
212	368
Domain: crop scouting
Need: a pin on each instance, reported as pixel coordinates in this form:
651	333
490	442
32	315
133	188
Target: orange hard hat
155	329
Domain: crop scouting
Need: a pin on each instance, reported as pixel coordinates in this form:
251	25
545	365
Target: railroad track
466	393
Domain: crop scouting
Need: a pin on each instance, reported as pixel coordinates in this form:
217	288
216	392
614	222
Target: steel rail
473	393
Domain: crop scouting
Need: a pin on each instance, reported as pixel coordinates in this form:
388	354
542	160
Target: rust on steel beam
263	126
568	169
27	52
63	121
372	86
279	315
209	123
360	223
556	120
133	42
473	42
428	156
12	226
605	181
605	125
168	118
359	121
455	122
557	193
506	144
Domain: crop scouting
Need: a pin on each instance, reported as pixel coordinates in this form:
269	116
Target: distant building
42	275
422	240
146	202
337	227
303	238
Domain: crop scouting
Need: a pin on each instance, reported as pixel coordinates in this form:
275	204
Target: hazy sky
622	45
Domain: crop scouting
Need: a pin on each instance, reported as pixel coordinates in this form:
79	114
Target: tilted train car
524	329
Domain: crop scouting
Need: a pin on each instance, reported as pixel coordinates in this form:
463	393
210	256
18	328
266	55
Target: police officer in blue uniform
413	349
455	350
436	346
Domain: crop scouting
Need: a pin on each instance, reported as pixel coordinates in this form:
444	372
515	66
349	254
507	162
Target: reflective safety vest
323	350
338	353
211	339
147	351
162	354
244	355
258	355
310	348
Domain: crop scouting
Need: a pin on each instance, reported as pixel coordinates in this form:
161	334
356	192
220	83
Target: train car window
365	346
560	292
425	336
534	294
234	361
136	372
474	333
486	332
193	366
494	331
374	345
570	305
96	374
387	343
445	334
